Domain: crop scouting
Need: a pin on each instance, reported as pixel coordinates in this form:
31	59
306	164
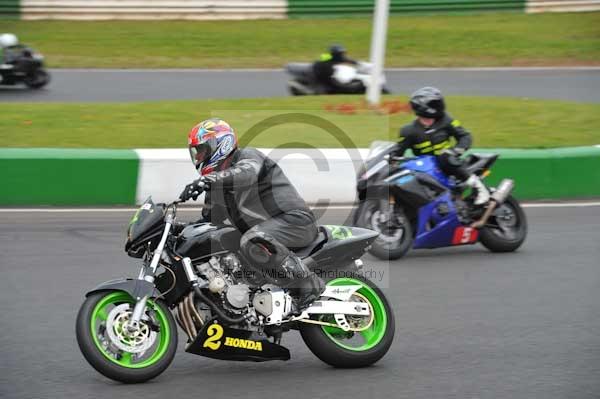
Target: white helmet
8	40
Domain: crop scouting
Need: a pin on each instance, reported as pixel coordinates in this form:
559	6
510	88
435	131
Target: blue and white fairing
428	164
437	222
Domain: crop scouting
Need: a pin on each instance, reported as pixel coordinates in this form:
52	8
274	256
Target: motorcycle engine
270	301
238	295
211	270
218	273
462	210
273	303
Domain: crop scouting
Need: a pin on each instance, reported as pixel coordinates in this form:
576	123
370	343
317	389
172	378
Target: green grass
435	41
495	122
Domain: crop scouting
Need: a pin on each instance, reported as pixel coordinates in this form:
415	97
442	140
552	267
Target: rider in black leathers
431	133
252	192
8	43
324	68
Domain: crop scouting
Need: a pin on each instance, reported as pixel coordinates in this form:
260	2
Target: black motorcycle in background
23	65
350	79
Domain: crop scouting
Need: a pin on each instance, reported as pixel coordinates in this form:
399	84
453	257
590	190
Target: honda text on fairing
21	64
197	277
349	79
412	204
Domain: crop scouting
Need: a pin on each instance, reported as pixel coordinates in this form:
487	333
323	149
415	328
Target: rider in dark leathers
8	42
324	68
431	133
252	192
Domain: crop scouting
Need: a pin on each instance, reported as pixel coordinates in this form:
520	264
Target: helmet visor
200	154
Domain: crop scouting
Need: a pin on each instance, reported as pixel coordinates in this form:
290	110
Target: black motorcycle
350	79
23	65
126	328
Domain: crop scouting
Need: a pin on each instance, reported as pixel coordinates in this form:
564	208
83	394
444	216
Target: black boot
307	290
304	286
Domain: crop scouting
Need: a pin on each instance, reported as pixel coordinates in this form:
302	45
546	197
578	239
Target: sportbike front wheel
395	231
370	337
37	79
120	350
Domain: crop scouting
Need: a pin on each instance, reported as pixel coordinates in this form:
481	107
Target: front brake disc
136	341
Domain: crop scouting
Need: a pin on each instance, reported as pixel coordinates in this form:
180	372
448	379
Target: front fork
147	273
386	208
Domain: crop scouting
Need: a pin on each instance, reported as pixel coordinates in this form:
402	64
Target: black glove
192	190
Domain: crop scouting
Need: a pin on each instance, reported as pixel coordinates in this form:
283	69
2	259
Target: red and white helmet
210	143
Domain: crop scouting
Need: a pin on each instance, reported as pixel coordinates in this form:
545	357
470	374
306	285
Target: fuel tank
201	240
427	164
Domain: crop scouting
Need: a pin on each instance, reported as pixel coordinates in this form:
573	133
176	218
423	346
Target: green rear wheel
118	351
372	335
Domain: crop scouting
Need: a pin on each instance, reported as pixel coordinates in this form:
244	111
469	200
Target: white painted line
259	70
524	205
498	69
66	210
333	207
561	205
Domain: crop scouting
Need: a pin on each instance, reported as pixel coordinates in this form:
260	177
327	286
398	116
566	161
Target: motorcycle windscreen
147	218
379	147
376	155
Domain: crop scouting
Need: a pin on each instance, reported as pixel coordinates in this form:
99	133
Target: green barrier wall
312	8
67	177
9	9
109	177
549	174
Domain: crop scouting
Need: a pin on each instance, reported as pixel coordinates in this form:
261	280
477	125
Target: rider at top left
7	40
252	192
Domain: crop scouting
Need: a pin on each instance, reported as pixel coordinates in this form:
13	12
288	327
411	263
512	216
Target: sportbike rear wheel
116	350
506	229
372	335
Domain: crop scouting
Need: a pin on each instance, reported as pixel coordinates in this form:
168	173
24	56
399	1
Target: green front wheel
116	348
370	338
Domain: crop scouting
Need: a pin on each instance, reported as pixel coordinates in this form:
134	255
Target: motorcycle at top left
21	64
195	275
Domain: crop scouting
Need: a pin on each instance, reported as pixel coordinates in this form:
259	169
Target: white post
380	21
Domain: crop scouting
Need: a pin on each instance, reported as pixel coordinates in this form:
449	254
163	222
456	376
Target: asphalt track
576	84
469	324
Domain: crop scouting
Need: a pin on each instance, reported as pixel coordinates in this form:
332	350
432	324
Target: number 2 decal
215	332
464	235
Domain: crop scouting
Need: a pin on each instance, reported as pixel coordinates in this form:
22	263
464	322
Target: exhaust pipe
498	197
503	190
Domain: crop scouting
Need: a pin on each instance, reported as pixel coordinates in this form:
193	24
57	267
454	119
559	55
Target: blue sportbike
413	204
